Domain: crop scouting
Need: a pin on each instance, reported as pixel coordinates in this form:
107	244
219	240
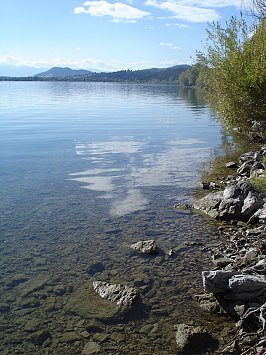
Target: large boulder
238	201
215	281
247	283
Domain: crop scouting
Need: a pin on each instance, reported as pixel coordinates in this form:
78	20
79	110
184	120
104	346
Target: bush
233	72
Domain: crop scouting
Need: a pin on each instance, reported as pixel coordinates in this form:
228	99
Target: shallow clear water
86	170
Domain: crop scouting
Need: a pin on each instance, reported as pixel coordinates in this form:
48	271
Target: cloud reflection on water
133	166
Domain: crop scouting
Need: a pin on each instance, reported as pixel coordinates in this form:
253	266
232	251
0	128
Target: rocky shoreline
236	285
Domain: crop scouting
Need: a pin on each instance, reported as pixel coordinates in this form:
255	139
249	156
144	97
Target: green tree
233	71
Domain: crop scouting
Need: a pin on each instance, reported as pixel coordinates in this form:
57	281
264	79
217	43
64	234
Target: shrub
233	72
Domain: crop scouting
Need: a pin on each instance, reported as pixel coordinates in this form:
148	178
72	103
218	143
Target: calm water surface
86	170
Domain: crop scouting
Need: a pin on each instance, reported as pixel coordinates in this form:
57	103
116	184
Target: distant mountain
58	72
18	71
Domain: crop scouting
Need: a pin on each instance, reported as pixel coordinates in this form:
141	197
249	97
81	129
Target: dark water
86	170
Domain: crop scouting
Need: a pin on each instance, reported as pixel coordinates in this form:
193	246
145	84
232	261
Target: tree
233	71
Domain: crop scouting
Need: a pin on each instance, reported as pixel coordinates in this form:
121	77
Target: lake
86	170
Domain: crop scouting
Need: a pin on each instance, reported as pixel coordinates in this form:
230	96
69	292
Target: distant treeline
155	75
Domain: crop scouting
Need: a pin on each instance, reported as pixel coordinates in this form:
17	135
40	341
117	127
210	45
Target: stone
40	337
209	204
192	339
250	256
237	202
231	165
216	281
123	296
118	337
251	204
146	247
69	337
4	307
247	283
87	304
95	268
91	348
32	285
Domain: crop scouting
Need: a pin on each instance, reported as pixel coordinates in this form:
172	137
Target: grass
259	183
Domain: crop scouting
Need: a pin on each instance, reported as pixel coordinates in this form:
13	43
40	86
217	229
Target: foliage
259	183
190	76
233	71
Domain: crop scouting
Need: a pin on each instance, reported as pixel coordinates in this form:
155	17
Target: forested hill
146	75
156	75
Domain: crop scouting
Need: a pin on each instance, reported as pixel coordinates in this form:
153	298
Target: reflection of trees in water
192	95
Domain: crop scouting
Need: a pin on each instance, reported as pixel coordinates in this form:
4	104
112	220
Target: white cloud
170	45
210	3
183	11
119	12
177	25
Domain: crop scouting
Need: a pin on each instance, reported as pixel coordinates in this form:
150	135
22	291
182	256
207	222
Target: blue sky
106	34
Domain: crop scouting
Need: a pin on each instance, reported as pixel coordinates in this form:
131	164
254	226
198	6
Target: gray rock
216	281
192	339
209	204
247	283
146	247
123	296
251	204
237	202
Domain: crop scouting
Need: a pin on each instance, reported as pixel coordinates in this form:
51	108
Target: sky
106	35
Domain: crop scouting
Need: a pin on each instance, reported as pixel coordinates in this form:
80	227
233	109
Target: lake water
86	170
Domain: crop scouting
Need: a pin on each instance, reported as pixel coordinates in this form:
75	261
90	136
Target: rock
216	281
4	307
222	262
59	290
231	165
118	337
123	296
247	283
69	337
91	348
95	267
88	305
209	204
251	204
245	168
146	247
40	337
237	202
32	285
260	214
171	252
191	340
250	256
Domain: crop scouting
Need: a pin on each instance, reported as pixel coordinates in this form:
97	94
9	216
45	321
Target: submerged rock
192	340
146	247
87	304
91	348
123	296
